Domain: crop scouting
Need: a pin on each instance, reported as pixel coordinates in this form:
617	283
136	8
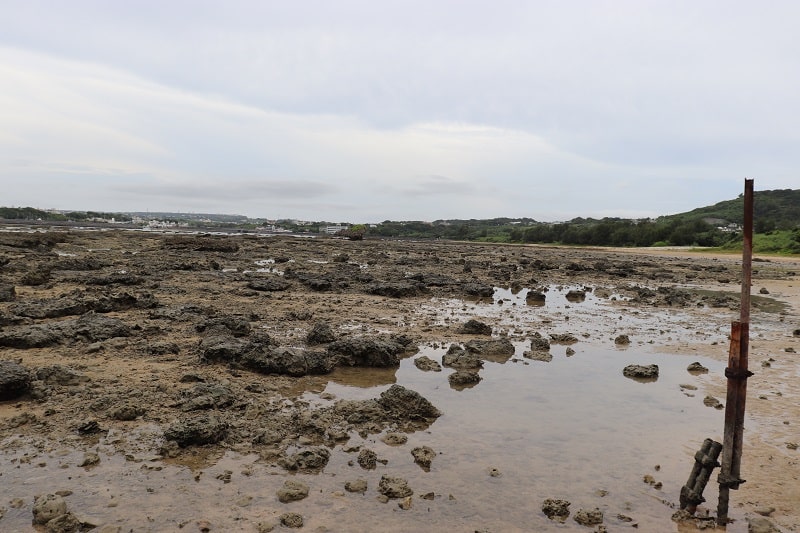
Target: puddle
587	317
573	428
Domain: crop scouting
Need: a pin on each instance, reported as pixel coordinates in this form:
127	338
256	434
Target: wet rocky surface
199	345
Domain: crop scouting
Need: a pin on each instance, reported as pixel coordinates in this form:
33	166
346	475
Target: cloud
397	109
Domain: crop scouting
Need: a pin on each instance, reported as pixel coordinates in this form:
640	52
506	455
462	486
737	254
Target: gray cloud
361	102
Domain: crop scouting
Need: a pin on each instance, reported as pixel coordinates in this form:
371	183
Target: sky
364	110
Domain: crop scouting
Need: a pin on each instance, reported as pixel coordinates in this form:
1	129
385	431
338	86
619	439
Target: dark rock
238	326
407	404
476	327
15	380
423	456
271	284
7	293
589	517
127	411
197	430
537	355
427	364
36	336
497	350
207	396
398	289
310	460
622	340
36	277
477	289
461	379
535	298
367	351
292	520
710	401
641	371
89	427
288	361
540	344
394	487
459	358
697	368
367	459
78	264
92	327
222	348
117	278
576	295
556	509
395	439
163	348
321	333
61	375
563	338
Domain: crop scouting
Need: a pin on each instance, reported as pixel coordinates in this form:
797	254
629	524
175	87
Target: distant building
333	230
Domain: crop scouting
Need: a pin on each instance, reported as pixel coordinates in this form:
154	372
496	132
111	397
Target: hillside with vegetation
776	224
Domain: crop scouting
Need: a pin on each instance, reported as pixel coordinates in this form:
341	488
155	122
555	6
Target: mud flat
239	383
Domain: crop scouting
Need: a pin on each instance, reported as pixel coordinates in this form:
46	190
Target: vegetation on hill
776	224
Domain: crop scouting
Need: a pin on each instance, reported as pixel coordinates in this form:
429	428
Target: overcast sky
363	111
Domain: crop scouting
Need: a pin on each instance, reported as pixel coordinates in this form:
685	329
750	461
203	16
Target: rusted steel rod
737	373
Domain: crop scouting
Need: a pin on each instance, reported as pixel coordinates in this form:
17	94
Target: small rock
556	509
764	511
791	445
266	527
493	472
589	517
15	380
406	503
65	523
763	290
462	379
682	516
292	520
427	364
544	357
697	368
359	486
292	491
476	327
423	456
367	459
394	487
622	340
90	459
710	401
760	524
641	371
395	439
45	508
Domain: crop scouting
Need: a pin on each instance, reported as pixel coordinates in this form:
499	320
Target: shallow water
574	428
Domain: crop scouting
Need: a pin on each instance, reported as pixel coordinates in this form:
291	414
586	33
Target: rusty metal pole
737	372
